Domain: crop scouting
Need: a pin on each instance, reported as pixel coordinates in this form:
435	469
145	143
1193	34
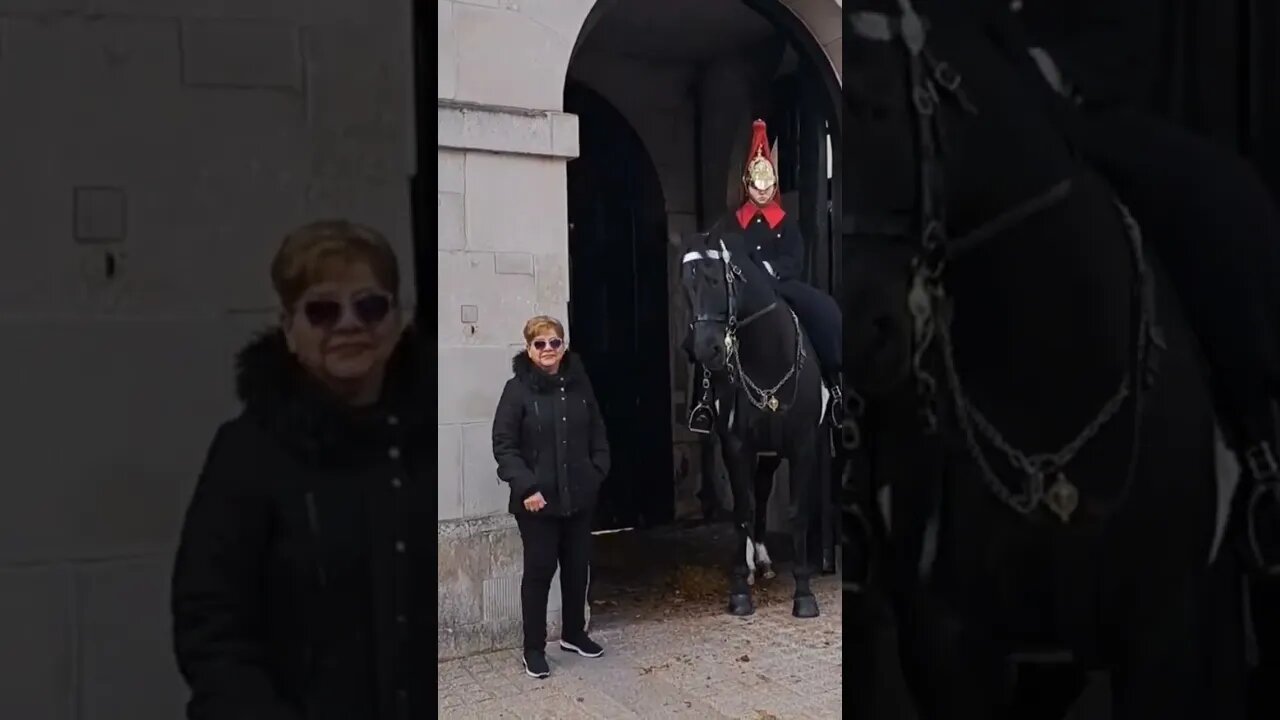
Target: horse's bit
930	307
761	398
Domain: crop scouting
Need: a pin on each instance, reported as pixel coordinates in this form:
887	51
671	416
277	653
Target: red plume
759	142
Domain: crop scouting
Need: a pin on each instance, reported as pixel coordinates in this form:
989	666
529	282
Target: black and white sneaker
535	664
584	646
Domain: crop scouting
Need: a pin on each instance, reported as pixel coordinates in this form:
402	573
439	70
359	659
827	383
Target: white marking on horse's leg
886	505
586	602
733	412
1227	476
826	400
766	563
751	563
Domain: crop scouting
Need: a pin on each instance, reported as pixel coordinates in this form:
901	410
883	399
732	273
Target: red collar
772	212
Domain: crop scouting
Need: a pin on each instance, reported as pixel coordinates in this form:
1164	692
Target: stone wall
155	152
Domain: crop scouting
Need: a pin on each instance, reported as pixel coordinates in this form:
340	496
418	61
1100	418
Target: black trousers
819	315
1215	226
548	541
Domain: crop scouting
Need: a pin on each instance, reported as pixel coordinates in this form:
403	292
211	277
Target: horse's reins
930	306
761	398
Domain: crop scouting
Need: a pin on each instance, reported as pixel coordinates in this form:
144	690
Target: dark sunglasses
368	310
541	344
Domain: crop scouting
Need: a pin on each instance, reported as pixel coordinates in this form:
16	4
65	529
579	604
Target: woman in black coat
300	590
549	441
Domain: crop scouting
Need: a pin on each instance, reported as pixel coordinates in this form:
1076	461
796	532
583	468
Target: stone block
127	668
470	381
149	395
504	302
565	17
360	99
506	553
241	54
460	575
449	171
36	622
446	51
100	214
523	206
450	228
564	135
552	286
299	11
835	53
482	492
527	73
385	205
449	472
50	7
513	264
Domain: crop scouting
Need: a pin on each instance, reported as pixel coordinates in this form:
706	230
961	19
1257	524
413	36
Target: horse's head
726	289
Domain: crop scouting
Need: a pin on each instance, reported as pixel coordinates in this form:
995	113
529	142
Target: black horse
1053	500
752	348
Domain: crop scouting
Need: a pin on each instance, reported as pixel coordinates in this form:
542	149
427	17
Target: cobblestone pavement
687	659
698	664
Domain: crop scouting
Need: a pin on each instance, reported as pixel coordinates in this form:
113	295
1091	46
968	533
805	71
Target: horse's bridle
761	398
930	307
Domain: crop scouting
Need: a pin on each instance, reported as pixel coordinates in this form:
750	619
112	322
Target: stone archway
537	40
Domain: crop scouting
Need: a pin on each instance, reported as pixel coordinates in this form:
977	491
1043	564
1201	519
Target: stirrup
834	411
701	419
1262	508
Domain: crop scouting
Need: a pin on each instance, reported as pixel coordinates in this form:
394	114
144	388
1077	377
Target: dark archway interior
618	306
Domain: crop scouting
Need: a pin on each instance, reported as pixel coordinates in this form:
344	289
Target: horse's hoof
740	605
751	579
805	606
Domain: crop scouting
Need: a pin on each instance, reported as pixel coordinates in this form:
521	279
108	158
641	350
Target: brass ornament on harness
1063	498
773	403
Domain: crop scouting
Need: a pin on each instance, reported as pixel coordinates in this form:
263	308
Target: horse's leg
739	462
707	495
766	472
804	477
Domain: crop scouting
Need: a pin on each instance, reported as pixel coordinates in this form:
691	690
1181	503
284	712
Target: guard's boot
835	405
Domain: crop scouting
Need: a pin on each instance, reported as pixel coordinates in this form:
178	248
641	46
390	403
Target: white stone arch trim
535	40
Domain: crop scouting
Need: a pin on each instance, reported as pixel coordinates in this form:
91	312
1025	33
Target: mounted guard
779	248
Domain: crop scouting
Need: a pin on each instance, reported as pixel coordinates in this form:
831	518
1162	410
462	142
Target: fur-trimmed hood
280	396
571	373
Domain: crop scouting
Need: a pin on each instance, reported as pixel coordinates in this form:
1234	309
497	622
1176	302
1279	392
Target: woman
549	441
300	586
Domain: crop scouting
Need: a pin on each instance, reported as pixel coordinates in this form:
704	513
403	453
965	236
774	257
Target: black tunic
782	246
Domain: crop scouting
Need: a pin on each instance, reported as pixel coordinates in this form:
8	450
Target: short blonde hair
307	255
539	324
